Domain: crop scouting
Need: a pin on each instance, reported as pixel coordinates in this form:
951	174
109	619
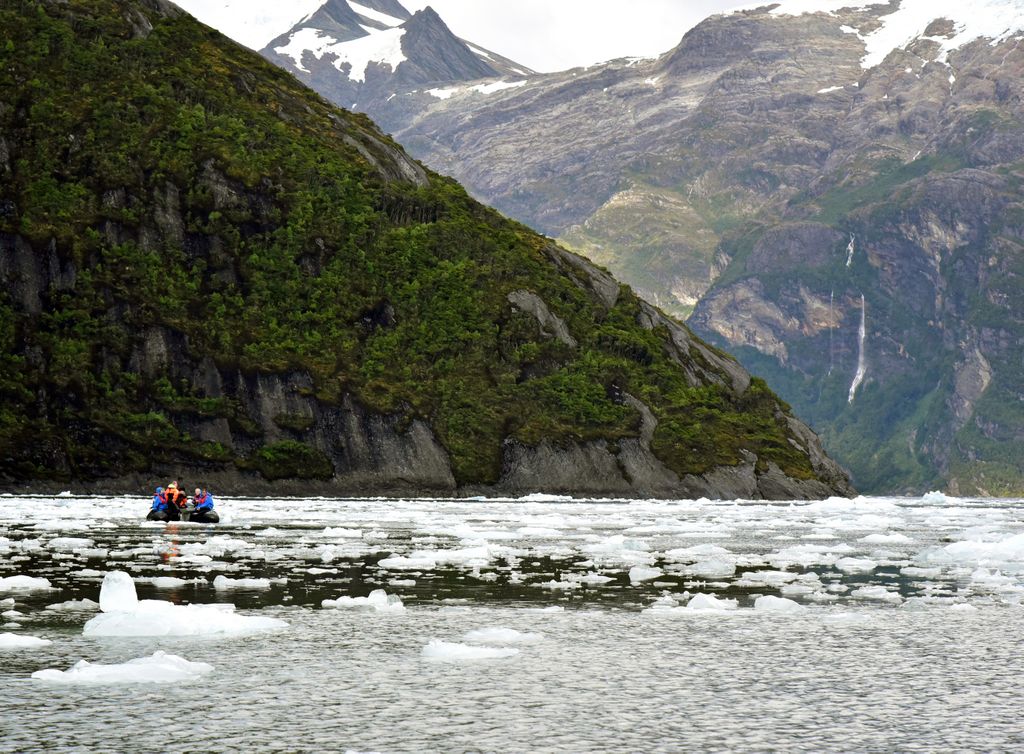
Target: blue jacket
159	502
204	502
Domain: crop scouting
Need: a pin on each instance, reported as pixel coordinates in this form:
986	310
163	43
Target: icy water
625	626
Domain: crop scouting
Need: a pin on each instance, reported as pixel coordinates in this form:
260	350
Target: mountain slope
208	269
736	174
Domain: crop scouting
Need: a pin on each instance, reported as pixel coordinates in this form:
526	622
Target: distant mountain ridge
363	55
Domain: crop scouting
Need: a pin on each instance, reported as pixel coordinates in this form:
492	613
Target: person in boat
163	509
204	512
175	497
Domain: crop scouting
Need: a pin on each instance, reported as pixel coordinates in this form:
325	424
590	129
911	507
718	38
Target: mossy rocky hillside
209	269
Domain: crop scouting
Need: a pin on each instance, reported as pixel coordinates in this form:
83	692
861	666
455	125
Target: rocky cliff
788	176
210	271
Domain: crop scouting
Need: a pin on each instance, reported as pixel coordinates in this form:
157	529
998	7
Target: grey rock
550	324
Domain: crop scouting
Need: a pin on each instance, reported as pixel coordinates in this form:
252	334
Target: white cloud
555	35
546	35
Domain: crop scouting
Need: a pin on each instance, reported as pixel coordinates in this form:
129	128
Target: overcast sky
546	35
553	35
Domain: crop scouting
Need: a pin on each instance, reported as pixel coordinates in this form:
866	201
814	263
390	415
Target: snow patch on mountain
995	20
375	15
384	47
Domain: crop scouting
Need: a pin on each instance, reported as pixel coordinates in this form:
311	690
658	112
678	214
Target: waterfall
862	366
831	329
850	248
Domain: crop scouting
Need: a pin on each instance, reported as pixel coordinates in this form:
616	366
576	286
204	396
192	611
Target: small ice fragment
378	601
24	584
223	582
876	593
72	606
769	604
963	607
886	539
446	651
856	565
164	582
160	667
501	636
708	602
16	641
641	573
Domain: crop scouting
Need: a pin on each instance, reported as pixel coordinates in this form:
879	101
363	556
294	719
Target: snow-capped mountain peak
994	20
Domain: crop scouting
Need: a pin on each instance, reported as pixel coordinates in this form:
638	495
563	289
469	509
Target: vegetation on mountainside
198	193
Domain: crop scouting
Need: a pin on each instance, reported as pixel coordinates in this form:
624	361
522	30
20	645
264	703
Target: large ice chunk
118	592
24	584
75	606
223	582
160	667
446	651
379	601
16	641
125	615
770	604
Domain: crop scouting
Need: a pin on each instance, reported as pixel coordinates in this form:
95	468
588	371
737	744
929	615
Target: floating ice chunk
118	592
769	604
269	532
937	498
446	651
695	553
223	582
501	636
378	601
594	579
69	543
24	584
712	568
886	539
1003	552
342	533
125	615
917	571
963	607
160	667
7	602
876	593
74	606
710	603
164	582
541	497
16	641
856	565
640	573
549	609
567	582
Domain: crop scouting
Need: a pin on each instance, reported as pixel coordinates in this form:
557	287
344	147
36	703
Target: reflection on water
903	635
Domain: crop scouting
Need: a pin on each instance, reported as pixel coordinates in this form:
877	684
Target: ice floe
160	667
377	601
19	641
24	584
125	615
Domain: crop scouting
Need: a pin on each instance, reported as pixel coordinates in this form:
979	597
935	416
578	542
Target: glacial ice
19	641
770	604
74	606
160	667
446	651
223	583
640	573
24	584
377	601
125	615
